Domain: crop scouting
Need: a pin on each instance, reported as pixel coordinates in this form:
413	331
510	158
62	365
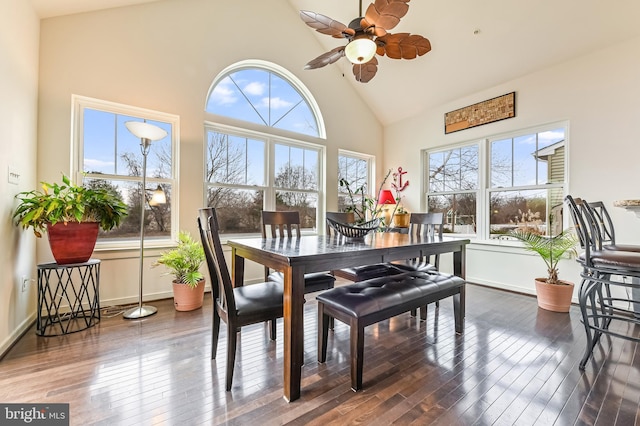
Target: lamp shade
145	130
158	197
360	50
386	197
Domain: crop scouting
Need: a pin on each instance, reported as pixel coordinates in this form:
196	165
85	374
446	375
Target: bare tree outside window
453	183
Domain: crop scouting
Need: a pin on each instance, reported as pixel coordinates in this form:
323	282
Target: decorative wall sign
496	109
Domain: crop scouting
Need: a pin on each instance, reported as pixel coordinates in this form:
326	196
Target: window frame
483	195
79	104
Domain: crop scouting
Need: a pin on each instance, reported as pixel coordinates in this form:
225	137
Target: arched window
265	94
254	167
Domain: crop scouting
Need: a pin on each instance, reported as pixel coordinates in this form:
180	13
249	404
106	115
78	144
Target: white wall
19	32
164	56
598	94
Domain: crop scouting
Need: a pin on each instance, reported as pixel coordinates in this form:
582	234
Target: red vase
72	242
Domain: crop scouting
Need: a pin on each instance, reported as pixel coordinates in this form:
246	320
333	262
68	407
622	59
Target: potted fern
553	294
184	264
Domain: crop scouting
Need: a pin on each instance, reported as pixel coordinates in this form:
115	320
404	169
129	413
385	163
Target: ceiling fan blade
384	15
325	59
365	72
325	25
402	46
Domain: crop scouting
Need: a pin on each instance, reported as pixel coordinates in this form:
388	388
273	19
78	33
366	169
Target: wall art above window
496	109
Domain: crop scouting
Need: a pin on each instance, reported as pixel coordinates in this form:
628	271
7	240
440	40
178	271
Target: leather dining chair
287	224
236	306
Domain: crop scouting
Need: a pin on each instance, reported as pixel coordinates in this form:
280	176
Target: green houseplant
184	264
71	214
553	294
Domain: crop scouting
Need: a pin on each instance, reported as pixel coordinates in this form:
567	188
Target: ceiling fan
367	36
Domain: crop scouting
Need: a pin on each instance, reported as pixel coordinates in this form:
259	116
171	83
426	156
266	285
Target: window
239	187
265	94
525	174
254	168
355	170
106	154
453	185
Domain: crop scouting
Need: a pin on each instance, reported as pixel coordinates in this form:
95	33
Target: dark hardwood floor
515	364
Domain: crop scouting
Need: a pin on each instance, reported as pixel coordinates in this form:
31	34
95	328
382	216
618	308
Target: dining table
296	256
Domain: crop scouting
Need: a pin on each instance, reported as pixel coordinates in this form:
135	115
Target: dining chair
286	224
236	306
425	226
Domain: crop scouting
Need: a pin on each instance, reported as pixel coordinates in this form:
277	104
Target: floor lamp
147	134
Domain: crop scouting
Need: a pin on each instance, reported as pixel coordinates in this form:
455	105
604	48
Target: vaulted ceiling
475	44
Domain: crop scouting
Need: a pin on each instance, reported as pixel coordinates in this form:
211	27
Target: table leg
293	331
237	268
459	269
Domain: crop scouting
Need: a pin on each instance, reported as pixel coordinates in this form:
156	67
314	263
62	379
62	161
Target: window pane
551	150
535	159
296	168
454	170
263	97
353	170
110	148
157	218
526	210
501	163
306	204
238	210
235	159
459	211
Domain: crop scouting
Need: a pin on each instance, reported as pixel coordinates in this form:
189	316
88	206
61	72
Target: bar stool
599	305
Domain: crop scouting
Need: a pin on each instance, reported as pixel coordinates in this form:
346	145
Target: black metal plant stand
68	297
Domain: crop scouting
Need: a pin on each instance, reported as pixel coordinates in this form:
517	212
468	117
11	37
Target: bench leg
357	354
323	333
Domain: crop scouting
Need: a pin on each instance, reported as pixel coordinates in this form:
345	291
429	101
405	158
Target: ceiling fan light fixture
360	50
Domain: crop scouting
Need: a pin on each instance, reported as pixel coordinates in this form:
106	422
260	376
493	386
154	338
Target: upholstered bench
368	302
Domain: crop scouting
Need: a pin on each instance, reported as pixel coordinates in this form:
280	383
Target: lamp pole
147	133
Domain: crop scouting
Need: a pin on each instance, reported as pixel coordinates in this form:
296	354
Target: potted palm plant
71	215
553	294
184	264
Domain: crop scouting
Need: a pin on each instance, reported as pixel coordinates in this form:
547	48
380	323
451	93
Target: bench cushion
314	281
367	272
375	295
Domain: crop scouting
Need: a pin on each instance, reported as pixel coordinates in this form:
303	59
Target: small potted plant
553	294
401	217
72	215
184	264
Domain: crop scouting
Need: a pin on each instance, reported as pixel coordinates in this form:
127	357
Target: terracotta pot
186	298
401	220
554	297
72	242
